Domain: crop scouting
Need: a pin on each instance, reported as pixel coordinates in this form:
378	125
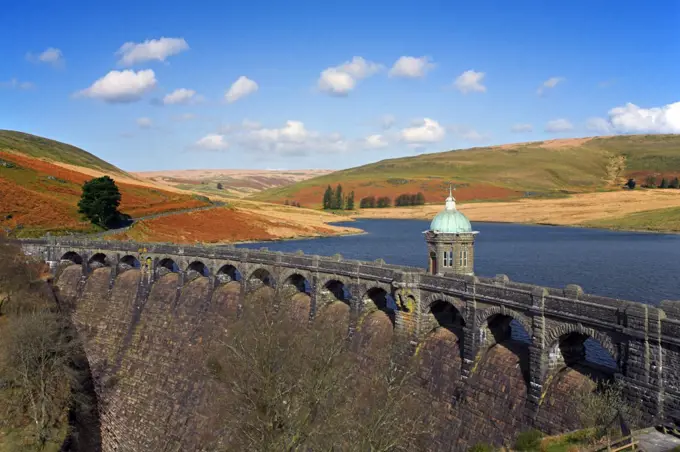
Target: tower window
463	258
448	258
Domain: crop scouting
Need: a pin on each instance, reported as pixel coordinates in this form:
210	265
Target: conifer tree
350	201
339	200
99	201
328	198
664	183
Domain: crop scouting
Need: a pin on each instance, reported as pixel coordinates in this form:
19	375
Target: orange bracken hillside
42	196
226	225
311	196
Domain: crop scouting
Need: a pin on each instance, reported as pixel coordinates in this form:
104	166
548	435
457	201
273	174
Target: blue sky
306	84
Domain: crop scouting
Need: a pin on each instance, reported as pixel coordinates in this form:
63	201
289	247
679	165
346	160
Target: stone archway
578	361
99	260
440	351
377	320
128	262
198	268
498	324
72	257
167	265
295	296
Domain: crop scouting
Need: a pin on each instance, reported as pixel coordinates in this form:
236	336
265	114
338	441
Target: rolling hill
535	169
44	148
41	180
234	182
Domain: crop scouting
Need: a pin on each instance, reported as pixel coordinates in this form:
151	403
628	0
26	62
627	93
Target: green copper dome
450	220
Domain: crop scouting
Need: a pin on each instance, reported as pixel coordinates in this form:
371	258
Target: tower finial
450	201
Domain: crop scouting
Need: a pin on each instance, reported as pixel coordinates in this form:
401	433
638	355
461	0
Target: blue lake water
629	265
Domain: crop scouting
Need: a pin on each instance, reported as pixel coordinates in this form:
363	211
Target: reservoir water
634	266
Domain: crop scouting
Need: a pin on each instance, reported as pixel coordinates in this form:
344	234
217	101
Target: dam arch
228	273
128	262
72	257
98	260
198	267
167	265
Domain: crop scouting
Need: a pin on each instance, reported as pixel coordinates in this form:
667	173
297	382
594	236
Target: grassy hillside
542	168
38	196
44	148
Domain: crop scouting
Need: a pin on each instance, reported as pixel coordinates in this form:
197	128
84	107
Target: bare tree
285	384
38	377
601	408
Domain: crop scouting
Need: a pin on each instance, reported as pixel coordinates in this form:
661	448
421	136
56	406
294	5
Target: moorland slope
41	182
513	171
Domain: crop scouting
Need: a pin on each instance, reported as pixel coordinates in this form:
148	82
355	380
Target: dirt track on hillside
574	210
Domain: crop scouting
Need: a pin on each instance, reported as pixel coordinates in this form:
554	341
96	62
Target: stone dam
499	356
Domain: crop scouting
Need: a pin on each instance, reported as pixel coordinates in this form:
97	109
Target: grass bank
657	220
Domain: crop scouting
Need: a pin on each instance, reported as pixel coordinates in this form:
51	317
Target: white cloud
212	142
549	84
241	88
292	139
425	131
411	67
16	84
470	81
598	125
342	79
558	125
121	86
522	128
250	125
467	133
132	53
375	142
179	96
52	56
144	123
632	119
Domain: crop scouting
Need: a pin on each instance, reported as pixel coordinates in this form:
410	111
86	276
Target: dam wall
496	357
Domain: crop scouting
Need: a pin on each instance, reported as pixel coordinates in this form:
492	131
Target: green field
658	220
539	168
44	148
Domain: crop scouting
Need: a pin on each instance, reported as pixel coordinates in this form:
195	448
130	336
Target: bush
384	201
367	202
599	408
529	440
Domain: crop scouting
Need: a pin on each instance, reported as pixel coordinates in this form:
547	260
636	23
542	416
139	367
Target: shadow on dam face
146	362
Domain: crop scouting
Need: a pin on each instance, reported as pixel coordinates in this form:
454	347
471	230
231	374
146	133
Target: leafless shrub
39	383
284	384
601	408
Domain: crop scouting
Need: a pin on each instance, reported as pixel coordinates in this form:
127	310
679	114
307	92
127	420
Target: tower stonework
451	242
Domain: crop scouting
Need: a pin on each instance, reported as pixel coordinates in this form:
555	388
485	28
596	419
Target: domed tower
450	242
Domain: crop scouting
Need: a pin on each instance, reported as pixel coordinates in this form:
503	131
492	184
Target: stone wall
497	356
